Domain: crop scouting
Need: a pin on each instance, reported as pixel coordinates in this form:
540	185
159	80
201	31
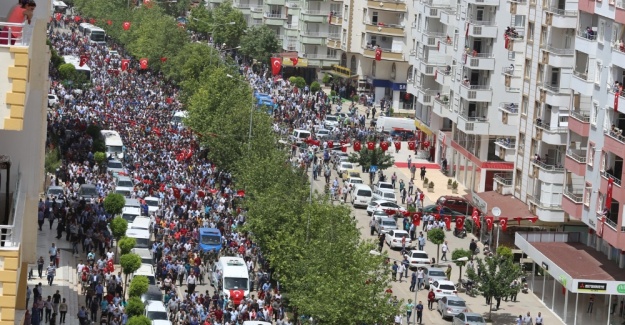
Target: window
604	158
590	160
598	73
601	31
346	13
615	29
587	194
536	110
540	73
374	17
519	21
528	69
530	31
524	105
518	179
543	35
521	146
595	113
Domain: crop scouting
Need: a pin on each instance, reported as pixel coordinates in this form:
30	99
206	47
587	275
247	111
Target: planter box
431	189
454	190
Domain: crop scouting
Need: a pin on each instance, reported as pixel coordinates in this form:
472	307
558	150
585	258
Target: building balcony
443	77
336	20
503	183
241	5
430	10
586	43
548	173
618	56
516	45
313	38
389	30
579	122
257	12
505	149
472	125
314	15
333	43
573	202
292	4
476	93
387	54
581	83
555	135
275	2
448	17
557	57
322	60
388	5
483	28
509	108
554	95
291	30
613	142
545	210
575	161
15	45
431	39
441	107
617	190
484	2
481	61
426	97
560	18
612	99
274	19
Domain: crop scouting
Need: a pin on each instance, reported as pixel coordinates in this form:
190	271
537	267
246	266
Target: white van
130	214
141	236
179	117
153	203
387	124
381	194
142	223
361	195
230	274
299	136
114	144
146	270
145	254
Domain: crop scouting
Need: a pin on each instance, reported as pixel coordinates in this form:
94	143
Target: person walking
56	300
410	187
409	307
372	225
419	312
191	283
448	272
591	303
50	273
431	299
539	319
52	252
40	263
413	170
413	281
422	172
63	311
48	307
394	269
401	269
28	294
420	278
444	249
409	162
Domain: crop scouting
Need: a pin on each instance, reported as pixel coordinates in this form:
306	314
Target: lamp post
414	320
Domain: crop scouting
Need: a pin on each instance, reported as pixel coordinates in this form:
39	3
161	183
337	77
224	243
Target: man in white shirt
444	249
191	280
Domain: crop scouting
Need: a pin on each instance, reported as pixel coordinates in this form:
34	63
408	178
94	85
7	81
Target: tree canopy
114	203
225	23
368	158
259	42
495	276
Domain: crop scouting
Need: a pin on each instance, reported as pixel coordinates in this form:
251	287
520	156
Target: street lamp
414	320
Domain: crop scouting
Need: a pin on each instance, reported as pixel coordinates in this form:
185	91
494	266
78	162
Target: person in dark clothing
473	246
422	172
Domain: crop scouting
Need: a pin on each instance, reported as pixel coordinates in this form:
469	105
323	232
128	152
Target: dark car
456	203
434	210
153	294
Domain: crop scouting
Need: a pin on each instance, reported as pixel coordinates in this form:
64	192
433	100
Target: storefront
426	141
386	89
296	66
575	281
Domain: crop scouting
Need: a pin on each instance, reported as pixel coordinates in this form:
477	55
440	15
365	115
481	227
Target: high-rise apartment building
24	85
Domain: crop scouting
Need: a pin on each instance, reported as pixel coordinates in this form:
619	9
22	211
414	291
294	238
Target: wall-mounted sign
591	286
620	288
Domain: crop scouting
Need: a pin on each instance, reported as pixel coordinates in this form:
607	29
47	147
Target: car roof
387	219
161	322
87	186
154	305
417	251
399	231
445	282
380	201
473	314
454	297
55	187
114	160
151	198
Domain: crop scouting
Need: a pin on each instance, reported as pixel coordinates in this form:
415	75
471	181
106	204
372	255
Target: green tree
138	286
227	24
437	237
495	277
259	42
457	254
114	203
118	227
190	64
129	263
199	21
315	86
126	244
52	160
135	310
504	252
67	71
368	158
100	158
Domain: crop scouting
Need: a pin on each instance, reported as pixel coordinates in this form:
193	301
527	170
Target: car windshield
446	287
348	166
437	273
157	315
142	243
115	164
331	118
89	191
115	149
384	185
152	296
420	255
235	283
475	319
129	217
152	203
401	234
456	303
389	195
125	183
210	240
389	223
55	191
356	181
364	193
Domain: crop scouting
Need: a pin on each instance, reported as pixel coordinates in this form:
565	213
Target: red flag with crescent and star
608	195
378	54
447	222
459	222
503	223
276	66
83	60
476	217
126	25
237	296
125	64
294	60
357	146
143	63
489	222
416	219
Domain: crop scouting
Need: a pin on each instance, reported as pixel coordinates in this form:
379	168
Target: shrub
52	160
138	286
454	185
431	184
135	308
449	181
300	82
315	87
114	204
99	145
67	71
94	131
99	157
126	244
326	78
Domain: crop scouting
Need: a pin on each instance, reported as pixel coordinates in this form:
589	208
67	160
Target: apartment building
24	85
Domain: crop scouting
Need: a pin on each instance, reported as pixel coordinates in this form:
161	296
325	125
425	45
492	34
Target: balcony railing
547	167
473	118
476	22
508	71
315	34
480	55
574	195
504	178
441	100
510	108
551	129
316	12
580	75
577	155
544	205
321	57
274	16
606	175
551	88
434	34
14	34
558	51
615	135
476	87
584	34
369	47
580	116
506	143
562	12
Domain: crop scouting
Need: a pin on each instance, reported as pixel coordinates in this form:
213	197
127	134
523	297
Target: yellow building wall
9	299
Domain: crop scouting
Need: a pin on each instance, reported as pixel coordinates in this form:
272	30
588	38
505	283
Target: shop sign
620	288
591	286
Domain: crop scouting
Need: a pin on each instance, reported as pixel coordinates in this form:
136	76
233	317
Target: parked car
331	121
351	181
469	319
434	210
417	258
323	134
57	193
383	186
52	100
383	205
394	237
385	224
443	288
379	194
451	306
155	310
88	191
344	167
433	274
115	167
457	204
351	173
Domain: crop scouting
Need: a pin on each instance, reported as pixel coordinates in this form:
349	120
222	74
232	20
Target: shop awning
295	62
424	128
342	72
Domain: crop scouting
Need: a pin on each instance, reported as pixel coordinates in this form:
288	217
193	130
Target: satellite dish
496	211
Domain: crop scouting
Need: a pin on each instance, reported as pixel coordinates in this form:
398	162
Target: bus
95	34
114	144
210	239
230	275
75	61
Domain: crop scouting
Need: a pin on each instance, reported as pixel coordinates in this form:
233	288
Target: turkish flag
237	296
616	101
126	25
518	220
58	17
371	145
109	22
489	222
476	217
397	145
412	145
92	21
533	219
357	146
125	64
608	195
241	193
83	60
384	145
426	144
416	219
330	144
503	223
294	60
343	148
276	66
77	18
447	222
316	143
459	222
506	41
163	59
213	191
378	54
143	63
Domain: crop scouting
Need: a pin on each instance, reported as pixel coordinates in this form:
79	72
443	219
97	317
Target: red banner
330	144
357	146
475	216
378	54
371	145
83	60
143	63
608	195
397	145
276	66
384	145
489	222
416	219
506	41
126	25
503	223
447	222
459	222
412	145
125	64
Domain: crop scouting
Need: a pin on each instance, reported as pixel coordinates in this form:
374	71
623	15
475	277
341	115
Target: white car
331	121
417	258
115	167
322	134
443	288
384	186
155	310
57	192
344	167
52	100
351	181
394	237
153	204
383	205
